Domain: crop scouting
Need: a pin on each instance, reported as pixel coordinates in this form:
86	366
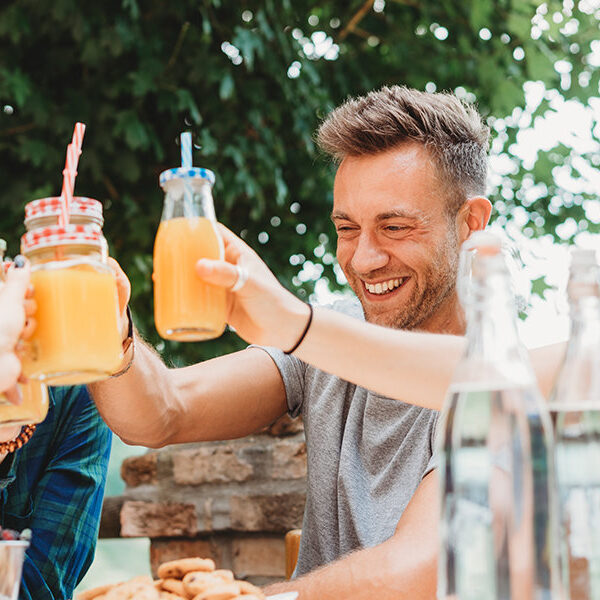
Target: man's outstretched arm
402	568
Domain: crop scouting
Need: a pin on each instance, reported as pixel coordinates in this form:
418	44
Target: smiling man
408	191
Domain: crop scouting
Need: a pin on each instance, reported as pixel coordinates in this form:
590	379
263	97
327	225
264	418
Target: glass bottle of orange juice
185	308
77	338
34	395
45	212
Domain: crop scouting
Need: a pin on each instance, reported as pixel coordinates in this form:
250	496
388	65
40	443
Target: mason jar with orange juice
34	395
186	308
77	338
33	408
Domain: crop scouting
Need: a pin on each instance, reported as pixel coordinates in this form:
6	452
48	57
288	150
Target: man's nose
368	255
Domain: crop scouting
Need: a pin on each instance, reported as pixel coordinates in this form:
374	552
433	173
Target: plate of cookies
184	579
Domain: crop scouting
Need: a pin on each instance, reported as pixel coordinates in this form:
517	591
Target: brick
276	512
162	551
289	460
138	470
158	519
285	425
259	557
110	521
212	464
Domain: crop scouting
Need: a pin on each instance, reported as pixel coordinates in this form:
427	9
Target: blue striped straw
186	150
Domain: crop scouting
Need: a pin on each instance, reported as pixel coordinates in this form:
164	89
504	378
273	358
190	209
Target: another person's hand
124	294
16	322
262	311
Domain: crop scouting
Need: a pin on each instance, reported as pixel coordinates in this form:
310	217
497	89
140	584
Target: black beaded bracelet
301	338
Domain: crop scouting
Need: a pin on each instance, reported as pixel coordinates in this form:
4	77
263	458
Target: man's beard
439	282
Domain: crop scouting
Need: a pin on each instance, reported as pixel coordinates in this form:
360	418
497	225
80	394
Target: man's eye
396	228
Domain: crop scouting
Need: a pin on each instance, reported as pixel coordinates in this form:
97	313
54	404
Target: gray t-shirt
366	456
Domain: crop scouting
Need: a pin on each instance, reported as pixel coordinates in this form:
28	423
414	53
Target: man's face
396	244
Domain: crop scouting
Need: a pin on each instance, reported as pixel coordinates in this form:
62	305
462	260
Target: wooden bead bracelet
26	432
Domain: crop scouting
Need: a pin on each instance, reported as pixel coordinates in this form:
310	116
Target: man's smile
383	288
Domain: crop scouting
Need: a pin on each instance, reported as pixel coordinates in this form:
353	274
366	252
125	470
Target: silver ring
242	277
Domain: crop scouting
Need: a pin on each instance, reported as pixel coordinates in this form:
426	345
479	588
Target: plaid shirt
54	486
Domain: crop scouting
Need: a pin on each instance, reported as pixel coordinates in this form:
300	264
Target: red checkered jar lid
82	209
56	235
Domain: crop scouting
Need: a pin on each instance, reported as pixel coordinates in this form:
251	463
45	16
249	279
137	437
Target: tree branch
18	129
182	33
356	19
412	3
112	190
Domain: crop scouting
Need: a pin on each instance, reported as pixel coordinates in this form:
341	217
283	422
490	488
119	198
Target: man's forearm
385	572
405	365
139	405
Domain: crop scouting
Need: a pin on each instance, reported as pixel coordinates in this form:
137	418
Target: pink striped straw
70	172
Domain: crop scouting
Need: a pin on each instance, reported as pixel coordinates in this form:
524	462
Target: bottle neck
189	198
494	352
585	322
578	383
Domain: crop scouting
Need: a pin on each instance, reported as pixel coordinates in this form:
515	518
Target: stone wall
233	501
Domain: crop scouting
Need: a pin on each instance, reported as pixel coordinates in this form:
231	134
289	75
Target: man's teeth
384	287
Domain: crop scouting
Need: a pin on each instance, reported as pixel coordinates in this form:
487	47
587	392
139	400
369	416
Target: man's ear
473	216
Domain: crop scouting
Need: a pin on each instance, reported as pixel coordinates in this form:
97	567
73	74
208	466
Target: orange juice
186	308
77	337
33	408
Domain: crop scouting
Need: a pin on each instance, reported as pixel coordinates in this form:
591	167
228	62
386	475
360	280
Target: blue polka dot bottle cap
187	173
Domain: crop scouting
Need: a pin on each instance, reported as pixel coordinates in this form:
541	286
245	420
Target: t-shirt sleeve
434	445
292	372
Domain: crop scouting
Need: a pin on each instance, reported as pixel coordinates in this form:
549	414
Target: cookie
224	591
168	596
176	569
246	588
95	592
225	574
174	586
197	582
139	588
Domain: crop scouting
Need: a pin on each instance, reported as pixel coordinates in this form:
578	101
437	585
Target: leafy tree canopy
252	80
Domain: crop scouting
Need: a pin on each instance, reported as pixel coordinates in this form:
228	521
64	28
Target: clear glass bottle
185	308
575	407
34	395
45	212
77	337
495	451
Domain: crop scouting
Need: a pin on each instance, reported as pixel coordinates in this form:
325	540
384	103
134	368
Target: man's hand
16	322
262	311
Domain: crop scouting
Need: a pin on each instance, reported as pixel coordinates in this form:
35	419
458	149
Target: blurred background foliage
252	80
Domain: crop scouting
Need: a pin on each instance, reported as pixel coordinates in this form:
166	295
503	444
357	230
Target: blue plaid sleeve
67	500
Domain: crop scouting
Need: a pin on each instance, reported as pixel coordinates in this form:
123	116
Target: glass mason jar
34	404
185	308
33	408
77	337
45	212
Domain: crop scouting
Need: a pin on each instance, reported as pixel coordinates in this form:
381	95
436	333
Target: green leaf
480	14
539	287
227	87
